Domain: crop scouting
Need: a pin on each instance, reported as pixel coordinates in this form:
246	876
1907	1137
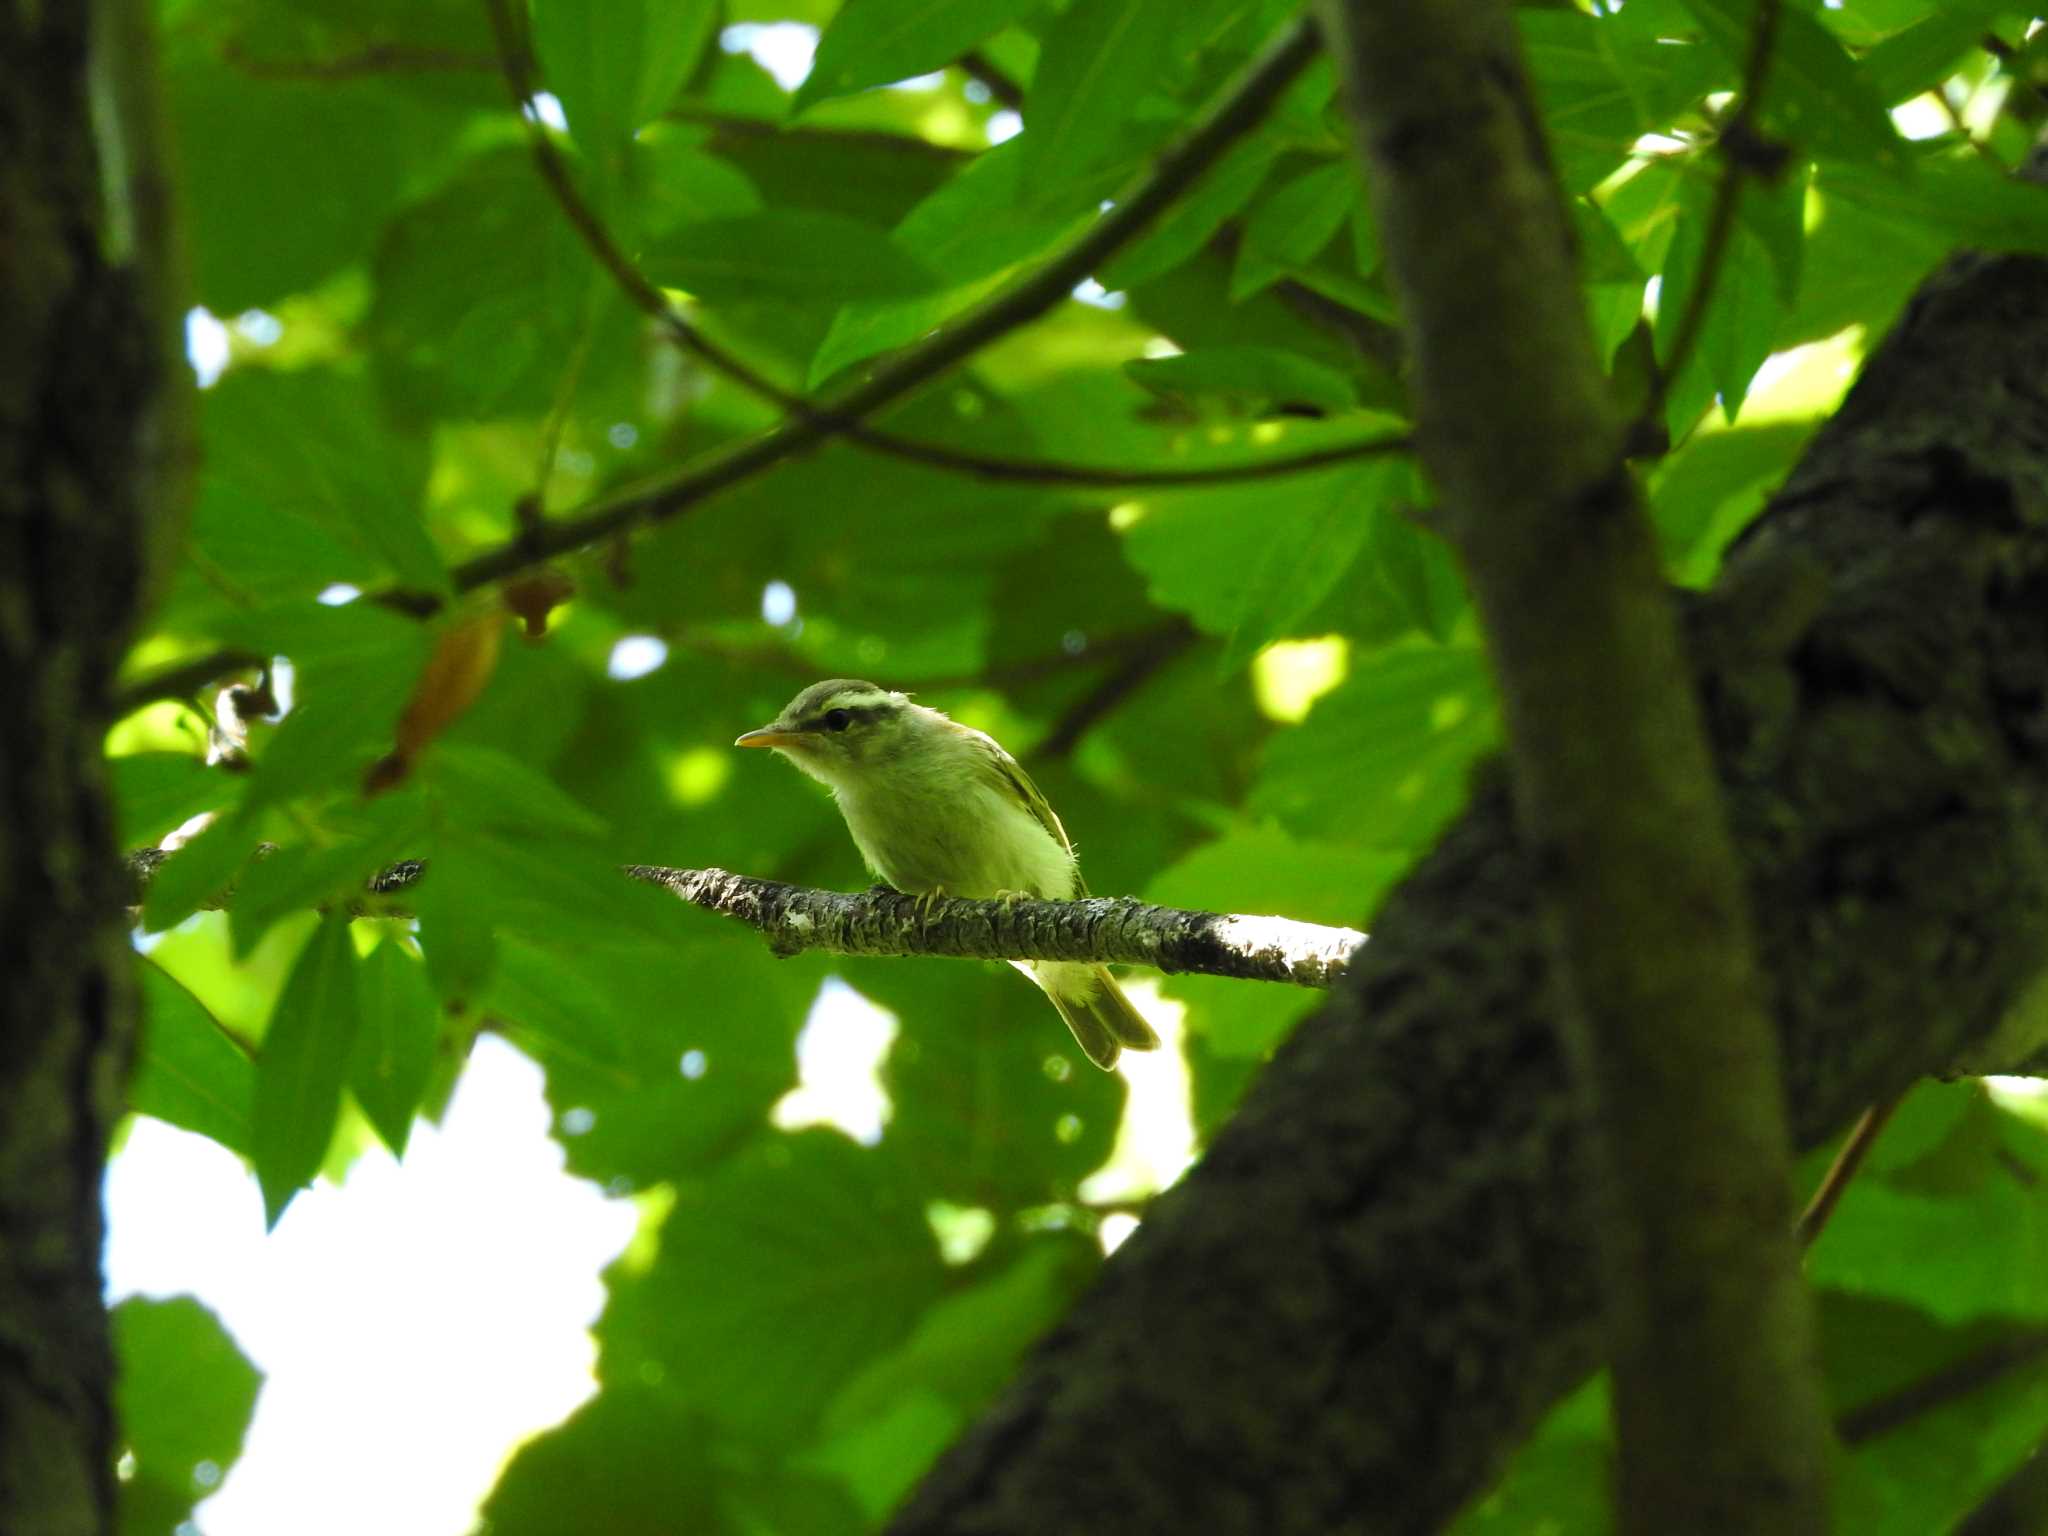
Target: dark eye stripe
845	715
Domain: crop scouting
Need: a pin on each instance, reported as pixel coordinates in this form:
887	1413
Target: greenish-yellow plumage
936	807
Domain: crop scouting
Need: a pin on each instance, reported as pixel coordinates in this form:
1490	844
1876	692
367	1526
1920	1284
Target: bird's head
841	729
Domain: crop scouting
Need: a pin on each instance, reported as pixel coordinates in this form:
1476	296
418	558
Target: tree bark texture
1382	1272
80	383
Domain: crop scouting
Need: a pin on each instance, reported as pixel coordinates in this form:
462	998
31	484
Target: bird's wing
1009	775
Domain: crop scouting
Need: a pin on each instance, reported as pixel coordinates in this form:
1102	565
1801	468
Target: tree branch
1718	1408
1110	930
1744	152
650	300
371	59
1234	113
183	679
795	918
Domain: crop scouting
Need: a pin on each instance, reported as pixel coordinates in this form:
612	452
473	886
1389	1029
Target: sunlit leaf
184	1400
871	42
779	1276
305	1061
187	1071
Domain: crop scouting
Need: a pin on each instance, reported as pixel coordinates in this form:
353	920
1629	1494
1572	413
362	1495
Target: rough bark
1381	1274
79	390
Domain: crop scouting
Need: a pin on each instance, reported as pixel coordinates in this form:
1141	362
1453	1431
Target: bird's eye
837	720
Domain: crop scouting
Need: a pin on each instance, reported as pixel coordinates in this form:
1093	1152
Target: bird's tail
1102	1018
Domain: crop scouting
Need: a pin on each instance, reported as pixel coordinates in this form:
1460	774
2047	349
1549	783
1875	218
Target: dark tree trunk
80	379
1382	1272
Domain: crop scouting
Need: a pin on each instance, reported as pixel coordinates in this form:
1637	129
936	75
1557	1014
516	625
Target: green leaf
1415	568
484	292
889	1423
1923	55
873	42
1742	316
187	1071
1255	378
869	327
1192	222
348	482
990	217
157	792
660	1059
1604	257
680	183
1292	225
789	1269
305	1061
1603	82
394	1051
1933	1464
1813	92
614	64
1962	202
796	255
1097	63
302	876
1383	759
635	1453
250	147
1560	1479
995	1106
495	789
184	1396
201	870
1716	482
1248	560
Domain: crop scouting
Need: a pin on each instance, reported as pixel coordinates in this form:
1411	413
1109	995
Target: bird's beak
768	736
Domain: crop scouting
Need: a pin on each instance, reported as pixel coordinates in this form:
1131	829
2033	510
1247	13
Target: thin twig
2016	1507
183	679
373	59
1168	643
1005	91
649	299
1862	1136
1234	113
1952	1382
1742	149
746	125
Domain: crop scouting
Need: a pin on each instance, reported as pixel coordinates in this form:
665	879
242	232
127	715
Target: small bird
938	808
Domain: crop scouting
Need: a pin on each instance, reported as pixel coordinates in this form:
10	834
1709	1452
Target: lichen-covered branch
794	918
1113	930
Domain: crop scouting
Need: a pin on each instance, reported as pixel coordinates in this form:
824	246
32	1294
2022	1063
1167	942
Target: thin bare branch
1744	153
677	327
372	59
1166	645
183	679
1233	114
1862	1137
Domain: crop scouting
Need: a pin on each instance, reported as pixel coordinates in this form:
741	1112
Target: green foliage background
419	340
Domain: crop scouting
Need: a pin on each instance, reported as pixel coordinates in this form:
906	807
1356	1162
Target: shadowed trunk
81	398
